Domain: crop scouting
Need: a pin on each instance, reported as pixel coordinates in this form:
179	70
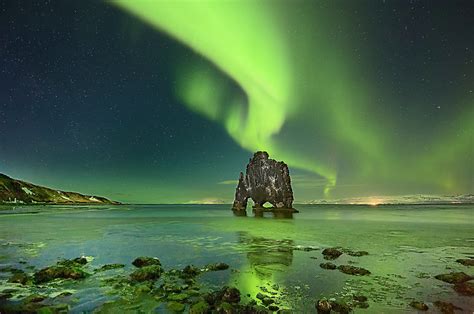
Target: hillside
19	192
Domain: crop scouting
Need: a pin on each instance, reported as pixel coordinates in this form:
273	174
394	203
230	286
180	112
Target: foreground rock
456	277
64	269
265	180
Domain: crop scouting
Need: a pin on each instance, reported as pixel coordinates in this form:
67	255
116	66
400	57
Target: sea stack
265	180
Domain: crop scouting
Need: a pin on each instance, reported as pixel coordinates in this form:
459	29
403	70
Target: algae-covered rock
145	273
357	253
19	277
353	270
464	288
466	261
59	272
446	307
178	297
331	253
109	267
217	266
202	307
34	298
328	266
143	261
175	306
420	306
455	277
190	271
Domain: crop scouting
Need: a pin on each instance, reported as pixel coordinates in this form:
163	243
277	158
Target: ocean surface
407	246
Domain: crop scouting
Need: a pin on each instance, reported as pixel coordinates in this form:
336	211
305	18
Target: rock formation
265	180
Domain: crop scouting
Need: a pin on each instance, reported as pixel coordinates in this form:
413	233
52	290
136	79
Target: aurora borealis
164	101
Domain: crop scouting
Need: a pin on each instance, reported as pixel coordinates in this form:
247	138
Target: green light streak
294	72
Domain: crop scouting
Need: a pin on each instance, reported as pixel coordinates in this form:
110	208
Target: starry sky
164	101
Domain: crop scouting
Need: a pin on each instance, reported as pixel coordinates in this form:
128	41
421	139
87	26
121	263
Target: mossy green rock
109	267
144	261
175	306
147	273
201	307
217	266
62	272
19	277
178	297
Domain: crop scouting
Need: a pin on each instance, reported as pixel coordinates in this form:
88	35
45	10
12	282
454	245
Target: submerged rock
353	270
340	307
217	266
357	253
420	306
146	273
456	277
109	267
464	288
146	261
265	180
466	261
446	308
20	277
328	266
202	307
190	271
331	253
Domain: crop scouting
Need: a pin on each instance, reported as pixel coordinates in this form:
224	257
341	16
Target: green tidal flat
407	247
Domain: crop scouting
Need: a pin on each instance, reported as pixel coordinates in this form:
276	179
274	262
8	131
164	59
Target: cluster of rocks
176	289
334	253
461	283
325	306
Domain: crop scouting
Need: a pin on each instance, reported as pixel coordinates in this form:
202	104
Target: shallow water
407	246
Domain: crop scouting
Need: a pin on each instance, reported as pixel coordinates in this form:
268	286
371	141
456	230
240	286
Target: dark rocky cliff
19	192
265	180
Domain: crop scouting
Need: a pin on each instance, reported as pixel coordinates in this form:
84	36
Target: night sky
165	101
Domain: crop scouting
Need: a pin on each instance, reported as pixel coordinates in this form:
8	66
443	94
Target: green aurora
308	98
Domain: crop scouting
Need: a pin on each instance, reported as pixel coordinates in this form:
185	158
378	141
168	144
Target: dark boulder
353	270
265	180
331	253
146	261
